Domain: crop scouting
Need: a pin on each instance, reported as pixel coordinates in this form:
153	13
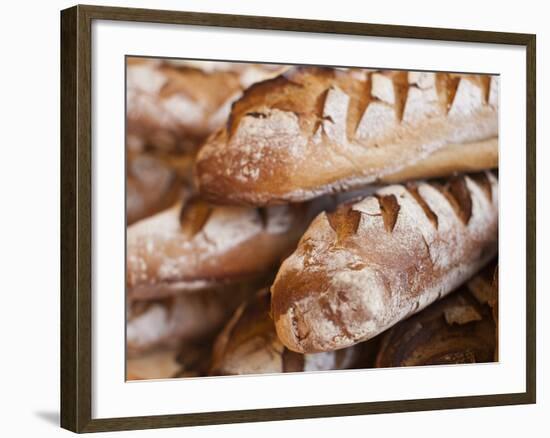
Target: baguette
195	245
366	266
313	130
249	345
173	106
456	330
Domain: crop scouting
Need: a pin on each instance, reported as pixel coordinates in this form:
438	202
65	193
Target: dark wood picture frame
76	196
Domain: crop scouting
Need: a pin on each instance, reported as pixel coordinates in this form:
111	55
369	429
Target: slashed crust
196	245
358	271
314	130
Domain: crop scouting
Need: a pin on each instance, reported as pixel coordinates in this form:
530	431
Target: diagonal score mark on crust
389	207
194	215
457	194
344	221
253	97
446	87
485	81
412	188
401	87
482	180
358	106
460	192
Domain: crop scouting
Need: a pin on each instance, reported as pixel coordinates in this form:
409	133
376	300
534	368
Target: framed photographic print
339	215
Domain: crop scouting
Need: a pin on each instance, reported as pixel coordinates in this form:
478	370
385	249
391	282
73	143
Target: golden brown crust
456	330
249	345
317	130
358	271
173	105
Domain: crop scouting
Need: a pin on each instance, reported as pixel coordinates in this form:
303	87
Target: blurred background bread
173	105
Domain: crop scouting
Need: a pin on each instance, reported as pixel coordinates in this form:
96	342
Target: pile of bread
297	218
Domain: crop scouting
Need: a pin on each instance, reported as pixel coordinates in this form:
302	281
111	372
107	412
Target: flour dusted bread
195	245
369	264
172	105
316	130
249	345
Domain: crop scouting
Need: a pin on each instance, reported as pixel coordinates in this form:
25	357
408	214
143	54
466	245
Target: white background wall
29	215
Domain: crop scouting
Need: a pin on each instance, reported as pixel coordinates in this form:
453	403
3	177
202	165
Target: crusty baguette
199	245
458	329
366	266
316	130
185	317
249	345
173	105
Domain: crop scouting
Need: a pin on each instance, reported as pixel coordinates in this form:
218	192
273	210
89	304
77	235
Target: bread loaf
458	329
249	345
173	105
369	264
196	245
316	130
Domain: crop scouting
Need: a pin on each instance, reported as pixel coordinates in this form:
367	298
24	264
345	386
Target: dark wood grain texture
76	249
76	224
69	320
531	248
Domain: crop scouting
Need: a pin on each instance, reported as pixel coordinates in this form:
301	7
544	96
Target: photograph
308	218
